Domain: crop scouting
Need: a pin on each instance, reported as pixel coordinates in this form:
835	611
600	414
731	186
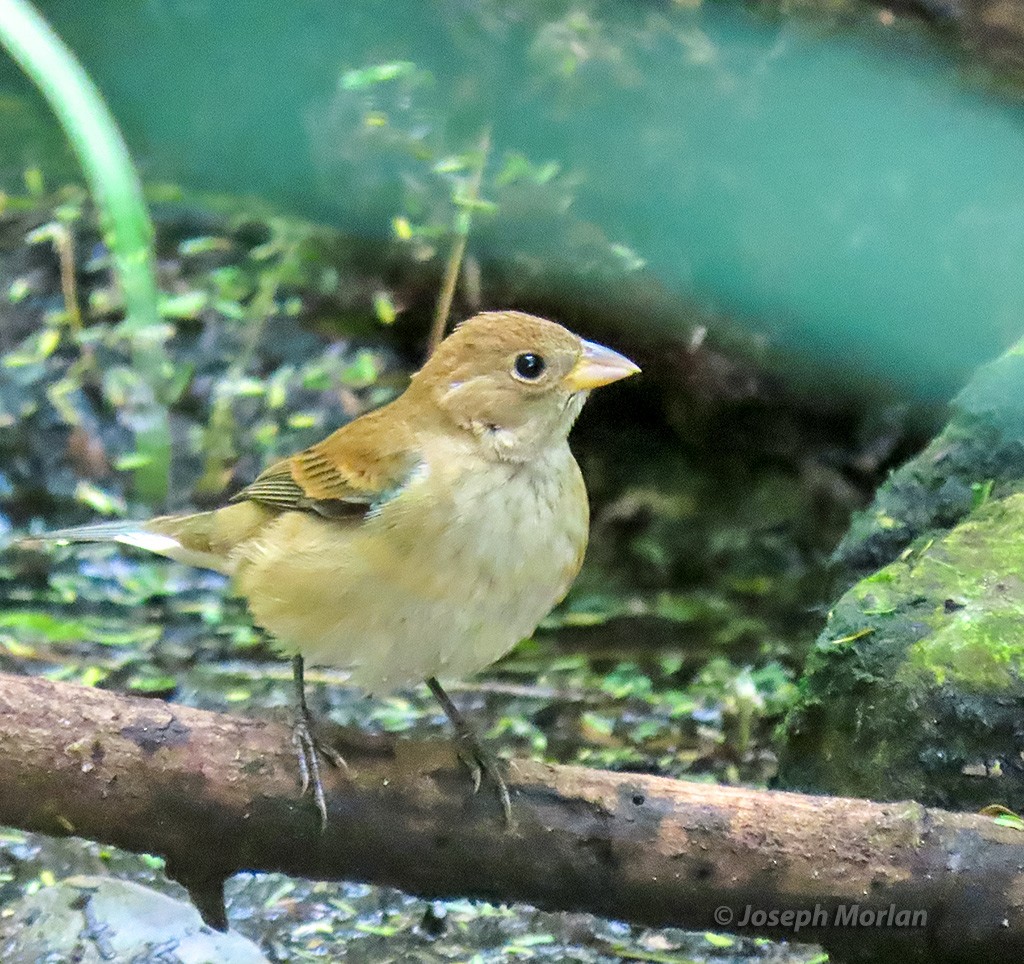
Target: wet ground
676	653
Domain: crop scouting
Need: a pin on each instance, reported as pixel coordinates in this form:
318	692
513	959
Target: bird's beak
598	366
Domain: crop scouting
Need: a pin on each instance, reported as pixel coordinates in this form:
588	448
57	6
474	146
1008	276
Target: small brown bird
423	539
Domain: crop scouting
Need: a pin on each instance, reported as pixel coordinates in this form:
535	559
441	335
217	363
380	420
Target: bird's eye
529	366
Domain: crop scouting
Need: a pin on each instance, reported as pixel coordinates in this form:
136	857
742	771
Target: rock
96	920
916	687
977	456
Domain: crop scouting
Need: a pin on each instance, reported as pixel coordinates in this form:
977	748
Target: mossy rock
916	687
977	456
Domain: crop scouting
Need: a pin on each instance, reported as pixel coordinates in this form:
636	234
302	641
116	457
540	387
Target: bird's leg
479	761
307	746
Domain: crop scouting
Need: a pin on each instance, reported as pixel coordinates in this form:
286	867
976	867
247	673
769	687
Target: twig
524	691
64	243
216	794
463	219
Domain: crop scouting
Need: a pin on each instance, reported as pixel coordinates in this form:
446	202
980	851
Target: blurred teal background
848	195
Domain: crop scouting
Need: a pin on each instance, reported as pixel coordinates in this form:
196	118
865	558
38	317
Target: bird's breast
441	580
491	538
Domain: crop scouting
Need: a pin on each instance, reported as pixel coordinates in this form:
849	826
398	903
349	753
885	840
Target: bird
420	541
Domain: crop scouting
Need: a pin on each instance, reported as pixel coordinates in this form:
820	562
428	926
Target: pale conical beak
598	366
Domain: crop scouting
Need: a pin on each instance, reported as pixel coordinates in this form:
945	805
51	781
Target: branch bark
216	794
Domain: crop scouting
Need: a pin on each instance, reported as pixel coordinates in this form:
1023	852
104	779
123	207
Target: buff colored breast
440	582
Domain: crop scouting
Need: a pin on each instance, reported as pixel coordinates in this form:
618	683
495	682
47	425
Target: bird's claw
307	746
309	767
474	757
480	763
308	750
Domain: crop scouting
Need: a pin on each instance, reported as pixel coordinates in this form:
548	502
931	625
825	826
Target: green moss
978	651
967	590
919	675
978	457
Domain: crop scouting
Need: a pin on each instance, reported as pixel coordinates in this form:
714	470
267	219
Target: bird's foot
482	763
308	749
307	745
477	760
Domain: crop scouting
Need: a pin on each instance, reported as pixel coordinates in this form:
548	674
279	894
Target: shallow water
675	652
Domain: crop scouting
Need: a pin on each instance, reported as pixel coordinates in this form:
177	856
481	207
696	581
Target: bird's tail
185	538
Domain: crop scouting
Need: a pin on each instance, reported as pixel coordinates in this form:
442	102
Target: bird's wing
345	475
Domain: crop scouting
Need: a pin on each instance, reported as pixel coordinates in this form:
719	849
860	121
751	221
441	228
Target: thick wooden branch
216	794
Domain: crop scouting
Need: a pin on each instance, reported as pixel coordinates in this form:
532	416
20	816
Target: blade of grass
124	220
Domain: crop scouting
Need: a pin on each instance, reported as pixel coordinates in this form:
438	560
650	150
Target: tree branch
216	794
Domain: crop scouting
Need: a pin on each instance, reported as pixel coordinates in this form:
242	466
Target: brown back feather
346	473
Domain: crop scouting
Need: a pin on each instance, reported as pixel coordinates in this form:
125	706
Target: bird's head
515	381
